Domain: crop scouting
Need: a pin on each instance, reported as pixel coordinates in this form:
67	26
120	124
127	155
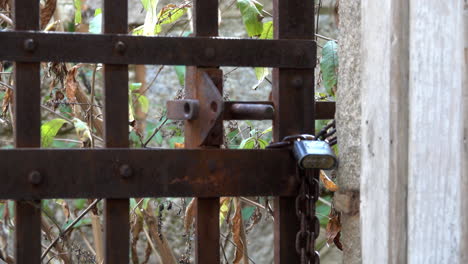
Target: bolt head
125	171
297	81
35	177
120	47
29	45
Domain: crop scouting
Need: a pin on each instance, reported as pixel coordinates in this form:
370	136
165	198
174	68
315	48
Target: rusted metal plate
186	109
27	134
96	173
293	97
116	214
201	51
207	130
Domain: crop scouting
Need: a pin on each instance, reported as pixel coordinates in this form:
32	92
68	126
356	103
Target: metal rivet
210	53
125	171
120	47
29	45
297	81
35	177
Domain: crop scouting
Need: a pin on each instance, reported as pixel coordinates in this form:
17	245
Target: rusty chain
305	206
305	211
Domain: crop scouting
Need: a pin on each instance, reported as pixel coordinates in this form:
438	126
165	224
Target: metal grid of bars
207	172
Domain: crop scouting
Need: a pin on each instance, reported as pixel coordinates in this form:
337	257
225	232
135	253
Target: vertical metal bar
116	215
205	21
293	97
27	133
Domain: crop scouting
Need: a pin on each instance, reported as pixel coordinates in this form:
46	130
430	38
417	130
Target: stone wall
348	120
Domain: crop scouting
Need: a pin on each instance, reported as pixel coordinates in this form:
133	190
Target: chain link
305	211
305	206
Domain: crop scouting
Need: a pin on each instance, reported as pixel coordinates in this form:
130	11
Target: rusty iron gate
203	170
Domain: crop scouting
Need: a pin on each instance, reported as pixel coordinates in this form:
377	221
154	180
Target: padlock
314	154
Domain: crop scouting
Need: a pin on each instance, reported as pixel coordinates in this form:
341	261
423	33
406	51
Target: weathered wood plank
384	130
464	245
435	131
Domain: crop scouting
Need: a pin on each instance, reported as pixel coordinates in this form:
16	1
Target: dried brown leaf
58	70
190	214
6	214
237	233
136	228
327	182
71	88
224	207
337	241
3	4
333	226
148	252
47	12
179	145
66	210
7	99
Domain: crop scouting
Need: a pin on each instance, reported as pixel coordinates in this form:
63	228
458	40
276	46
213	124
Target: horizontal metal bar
125	49
248	111
124	173
187	109
323	110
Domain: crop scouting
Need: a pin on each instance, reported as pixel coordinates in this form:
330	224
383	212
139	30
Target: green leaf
180	71
233	134
175	140
262	143
169	14
322	210
329	66
49	131
82	130
261	73
82	222
95	25
143	102
247	212
267	32
138	31
151	18
80	203
266	131
248	143
134	139
158	138
64	145
145	4
251	16
135	86
319	124
77	11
